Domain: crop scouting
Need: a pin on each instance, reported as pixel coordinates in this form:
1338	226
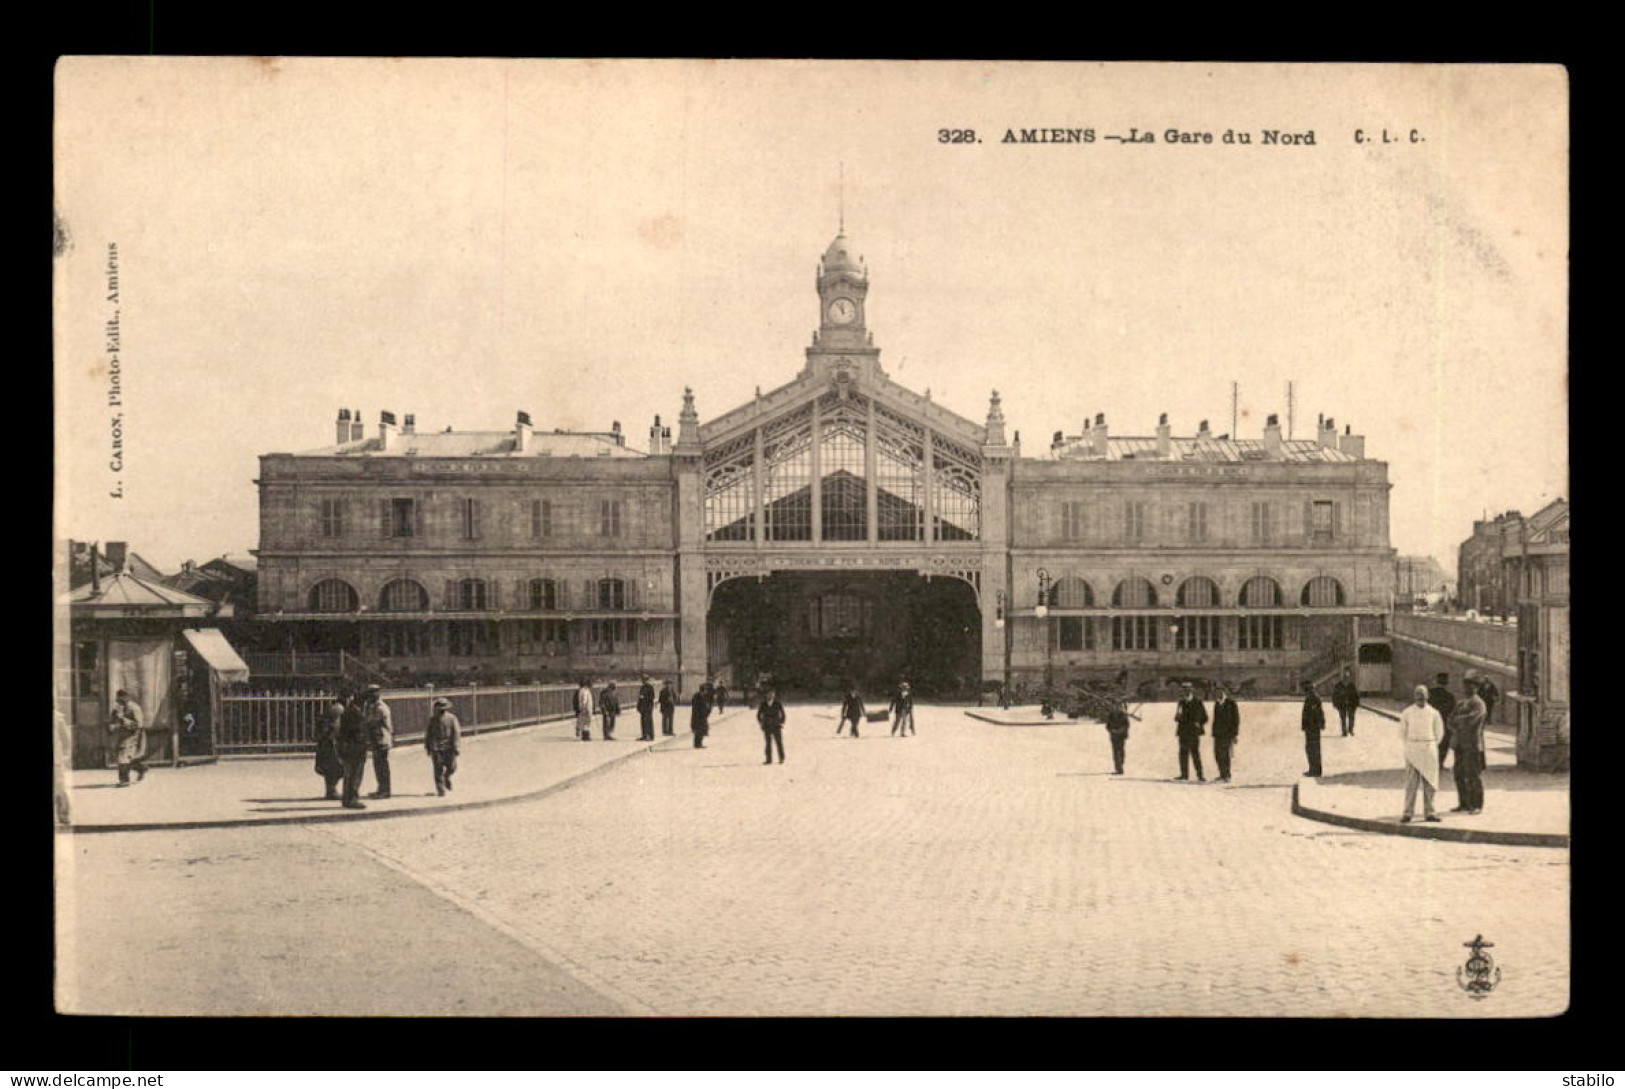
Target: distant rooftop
1132	448
496	444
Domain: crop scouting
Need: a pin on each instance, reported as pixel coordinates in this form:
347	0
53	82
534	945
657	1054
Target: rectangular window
541	518
1263	529
1321	522
610	636
1133	521
87	669
542	637
1196	523
470	638
1196	633
1262	633
1072	520
401	640
609	518
332	518
469	509
402	517
1076	633
1134	633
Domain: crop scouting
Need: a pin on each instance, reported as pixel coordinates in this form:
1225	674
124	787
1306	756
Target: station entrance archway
815	632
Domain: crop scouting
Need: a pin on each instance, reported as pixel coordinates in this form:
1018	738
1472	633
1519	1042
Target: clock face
842	311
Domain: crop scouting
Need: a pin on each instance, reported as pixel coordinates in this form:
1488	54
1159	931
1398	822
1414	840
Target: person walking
584	710
1420	728
902	709
851	711
328	764
719	696
699	714
1189	719
609	704
1314	721
646	710
1444	702
1226	729
1467	737
443	738
129	729
352	745
1346	698
770	716
1117	730
381	736
668	707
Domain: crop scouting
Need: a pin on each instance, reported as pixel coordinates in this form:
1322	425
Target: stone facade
532	554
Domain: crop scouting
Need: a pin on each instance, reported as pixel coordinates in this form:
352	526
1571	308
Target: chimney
615	429
659	439
1328	432
409	424
386	430
358	430
1202	432
117	553
1056	441
521	433
1098	433
1272	436
344	426
1351	444
1165	445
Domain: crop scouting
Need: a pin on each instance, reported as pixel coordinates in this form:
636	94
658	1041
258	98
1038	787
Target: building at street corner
1537	576
839	526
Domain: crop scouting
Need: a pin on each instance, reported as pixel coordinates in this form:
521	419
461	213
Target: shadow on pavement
1495	779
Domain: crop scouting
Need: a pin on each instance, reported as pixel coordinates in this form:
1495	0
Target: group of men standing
607	706
1190	722
1434	723
360	724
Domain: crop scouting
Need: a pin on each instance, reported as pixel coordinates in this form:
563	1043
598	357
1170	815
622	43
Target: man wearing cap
609	705
699	710
1346	698
381	736
1190	718
1226	728
1314	721
1117	731
646	710
1467	737
129	729
902	709
443	737
1444	702
668	707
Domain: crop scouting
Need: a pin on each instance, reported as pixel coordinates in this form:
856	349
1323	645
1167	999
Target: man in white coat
1420	729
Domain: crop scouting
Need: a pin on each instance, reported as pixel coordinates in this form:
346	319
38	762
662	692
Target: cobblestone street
973	869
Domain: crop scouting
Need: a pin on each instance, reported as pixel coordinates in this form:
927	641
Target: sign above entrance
719	569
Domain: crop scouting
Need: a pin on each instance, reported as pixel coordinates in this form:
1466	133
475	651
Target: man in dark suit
668	707
1346	698
700	714
1226	728
1117	730
1314	721
1443	701
1189	719
646	710
1467	735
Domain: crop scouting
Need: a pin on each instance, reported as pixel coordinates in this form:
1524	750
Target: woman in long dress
1420	729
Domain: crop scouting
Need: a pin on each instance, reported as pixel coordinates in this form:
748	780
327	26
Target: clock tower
843	340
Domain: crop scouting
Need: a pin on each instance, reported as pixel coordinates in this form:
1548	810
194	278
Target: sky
461	240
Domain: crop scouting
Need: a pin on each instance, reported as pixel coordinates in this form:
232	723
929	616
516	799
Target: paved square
973	869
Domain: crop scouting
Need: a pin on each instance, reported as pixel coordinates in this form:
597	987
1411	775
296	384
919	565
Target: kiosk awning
220	655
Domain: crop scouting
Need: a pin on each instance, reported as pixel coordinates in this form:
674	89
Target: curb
370	815
1428	831
1059	720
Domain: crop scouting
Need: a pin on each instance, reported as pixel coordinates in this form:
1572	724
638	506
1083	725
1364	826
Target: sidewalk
494	769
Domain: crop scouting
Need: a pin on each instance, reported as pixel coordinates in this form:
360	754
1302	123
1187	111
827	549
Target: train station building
838	527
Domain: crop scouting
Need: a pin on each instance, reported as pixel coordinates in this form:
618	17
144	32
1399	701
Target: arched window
334	596
472	595
1134	593
1323	592
403	596
1072	593
1198	592
611	594
1260	592
544	594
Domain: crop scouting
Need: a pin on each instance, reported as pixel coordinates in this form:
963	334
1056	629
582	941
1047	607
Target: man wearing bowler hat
1189	719
381	736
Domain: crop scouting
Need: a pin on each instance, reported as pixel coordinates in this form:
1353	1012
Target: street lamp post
1041	610
1004	631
